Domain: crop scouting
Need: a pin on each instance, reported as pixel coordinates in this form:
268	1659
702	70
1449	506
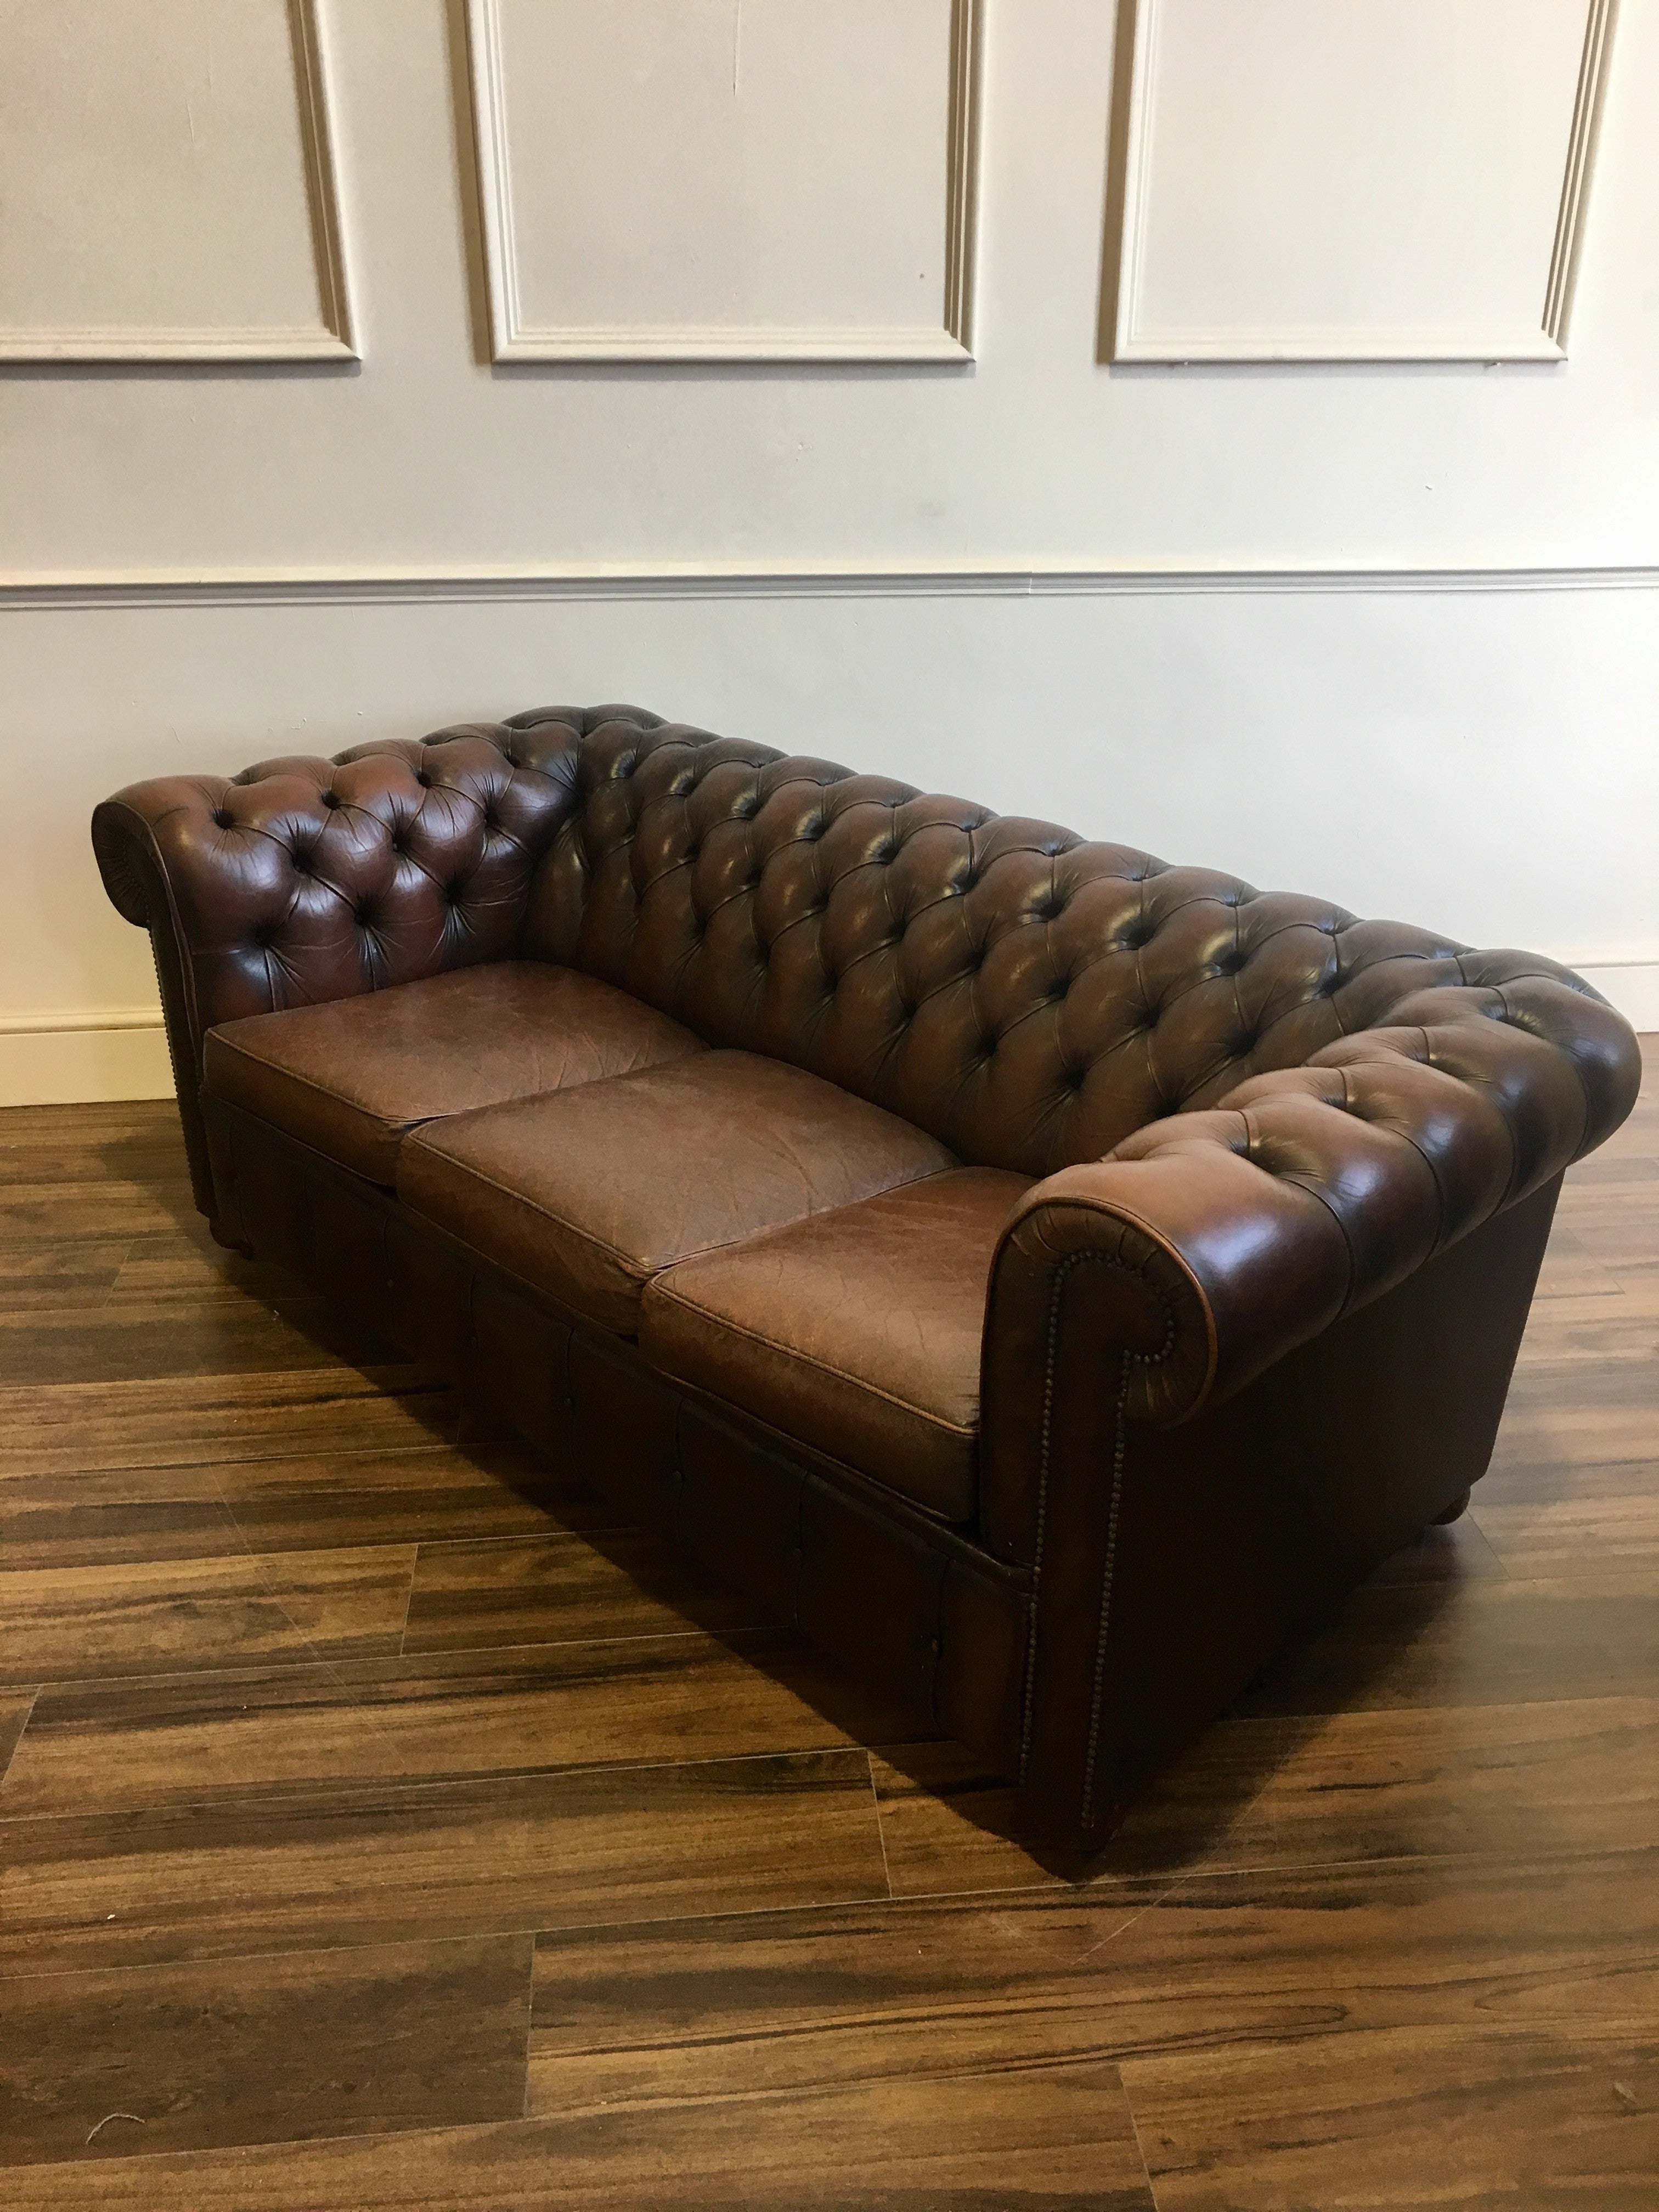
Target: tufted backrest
304	878
1028	997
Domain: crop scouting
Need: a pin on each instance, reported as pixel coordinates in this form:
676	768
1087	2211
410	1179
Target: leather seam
625	1260
807	1359
629	1265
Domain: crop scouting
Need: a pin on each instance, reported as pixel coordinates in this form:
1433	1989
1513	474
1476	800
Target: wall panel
1384	180
167	184
729	180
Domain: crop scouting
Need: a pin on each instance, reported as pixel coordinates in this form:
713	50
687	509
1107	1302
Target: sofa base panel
1227	1539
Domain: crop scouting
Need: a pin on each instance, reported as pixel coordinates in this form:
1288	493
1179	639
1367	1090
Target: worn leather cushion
589	1194
353	1077
857	1332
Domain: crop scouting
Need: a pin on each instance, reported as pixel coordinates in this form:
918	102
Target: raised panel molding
1131	333
515	335
329	337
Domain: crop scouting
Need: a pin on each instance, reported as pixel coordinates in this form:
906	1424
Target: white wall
1389	634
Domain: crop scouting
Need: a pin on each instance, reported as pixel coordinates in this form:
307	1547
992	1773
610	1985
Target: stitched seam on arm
1066	1267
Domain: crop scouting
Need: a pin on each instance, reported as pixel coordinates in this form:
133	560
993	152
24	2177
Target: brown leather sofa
1050	1277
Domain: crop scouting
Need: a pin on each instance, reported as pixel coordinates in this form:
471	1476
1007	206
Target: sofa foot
1455	1512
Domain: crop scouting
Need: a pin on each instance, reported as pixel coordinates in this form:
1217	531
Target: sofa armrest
1209	1245
305	880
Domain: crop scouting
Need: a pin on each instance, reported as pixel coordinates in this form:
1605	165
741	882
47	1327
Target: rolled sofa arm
1210	1244
1175	1541
304	879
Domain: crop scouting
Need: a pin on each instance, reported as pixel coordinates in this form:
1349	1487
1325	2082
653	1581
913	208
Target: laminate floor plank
72	1427
99	1211
195	1740
114	1516
565	1588
61	1277
357	1865
1576	1411
182	1270
1405	2120
16	1707
97	2066
1486	1642
322	1503
127	1339
1303	1790
1057	2139
90	1129
1617	1227
1597	1330
1458	1554
430	1495
798	1999
1577	1520
77	1623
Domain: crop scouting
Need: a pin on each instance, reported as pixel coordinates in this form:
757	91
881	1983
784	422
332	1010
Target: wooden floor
379	1829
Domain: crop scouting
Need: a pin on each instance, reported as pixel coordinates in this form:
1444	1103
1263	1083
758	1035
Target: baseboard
70	1058
1633	986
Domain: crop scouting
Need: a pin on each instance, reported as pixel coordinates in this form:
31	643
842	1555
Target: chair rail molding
992	576
332	339
1129	334
515	337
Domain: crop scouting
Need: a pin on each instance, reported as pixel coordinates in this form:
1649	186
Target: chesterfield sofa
1048	1277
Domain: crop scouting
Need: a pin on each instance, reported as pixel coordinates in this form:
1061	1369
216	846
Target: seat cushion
857	1332
589	1194
352	1078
